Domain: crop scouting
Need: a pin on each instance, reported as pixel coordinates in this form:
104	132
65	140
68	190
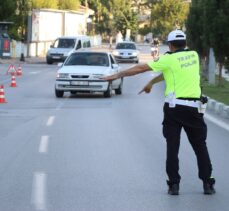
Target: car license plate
56	57
126	56
80	83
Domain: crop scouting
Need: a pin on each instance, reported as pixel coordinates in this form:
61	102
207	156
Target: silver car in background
126	51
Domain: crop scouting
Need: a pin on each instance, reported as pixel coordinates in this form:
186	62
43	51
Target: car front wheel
59	93
108	93
119	90
49	60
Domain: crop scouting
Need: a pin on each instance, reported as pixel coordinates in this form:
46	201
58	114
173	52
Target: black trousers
193	123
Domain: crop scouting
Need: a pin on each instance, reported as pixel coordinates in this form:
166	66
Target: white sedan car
82	72
126	52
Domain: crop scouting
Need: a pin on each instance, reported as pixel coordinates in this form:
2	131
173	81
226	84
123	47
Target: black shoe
173	188
209	186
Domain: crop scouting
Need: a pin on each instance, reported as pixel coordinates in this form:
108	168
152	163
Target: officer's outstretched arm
147	88
137	69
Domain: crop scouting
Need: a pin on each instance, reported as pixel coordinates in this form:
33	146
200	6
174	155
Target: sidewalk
30	60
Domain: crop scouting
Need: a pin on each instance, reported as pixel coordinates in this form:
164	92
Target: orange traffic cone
19	70
2	95
13	81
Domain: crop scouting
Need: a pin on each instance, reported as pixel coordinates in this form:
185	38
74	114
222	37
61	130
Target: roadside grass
216	92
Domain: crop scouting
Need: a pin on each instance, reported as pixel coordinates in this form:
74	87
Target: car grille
80	86
80	76
124	54
130	57
56	54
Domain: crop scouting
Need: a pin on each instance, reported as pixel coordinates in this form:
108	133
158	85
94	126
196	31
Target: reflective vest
181	71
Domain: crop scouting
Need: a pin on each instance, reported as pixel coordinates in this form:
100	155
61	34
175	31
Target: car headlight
98	76
135	53
62	75
115	53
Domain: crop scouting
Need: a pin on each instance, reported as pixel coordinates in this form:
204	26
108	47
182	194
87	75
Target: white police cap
176	35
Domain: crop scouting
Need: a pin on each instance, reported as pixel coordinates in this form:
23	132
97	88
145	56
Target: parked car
126	51
64	46
82	72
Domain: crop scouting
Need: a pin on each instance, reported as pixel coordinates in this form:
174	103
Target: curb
218	108
30	60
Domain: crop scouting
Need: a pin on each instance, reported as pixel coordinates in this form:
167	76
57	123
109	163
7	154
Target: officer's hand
146	89
110	77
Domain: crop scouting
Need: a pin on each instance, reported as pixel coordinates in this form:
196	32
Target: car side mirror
114	65
60	64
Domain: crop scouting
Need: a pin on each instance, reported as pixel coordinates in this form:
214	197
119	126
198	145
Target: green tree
194	26
124	17
218	35
68	4
167	15
225	9
207	27
38	4
196	32
113	16
7	10
103	17
8	13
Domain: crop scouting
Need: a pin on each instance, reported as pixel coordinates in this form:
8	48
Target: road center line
216	121
43	148
50	120
39	191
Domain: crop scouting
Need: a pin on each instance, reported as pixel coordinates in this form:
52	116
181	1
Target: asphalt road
89	153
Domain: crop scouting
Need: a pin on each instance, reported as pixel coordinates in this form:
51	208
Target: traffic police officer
184	107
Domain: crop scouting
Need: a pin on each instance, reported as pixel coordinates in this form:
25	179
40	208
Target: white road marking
50	120
43	148
216	121
39	191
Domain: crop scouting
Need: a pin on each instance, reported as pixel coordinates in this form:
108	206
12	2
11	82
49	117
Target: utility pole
22	58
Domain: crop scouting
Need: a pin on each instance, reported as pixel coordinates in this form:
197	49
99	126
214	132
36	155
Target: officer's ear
170	46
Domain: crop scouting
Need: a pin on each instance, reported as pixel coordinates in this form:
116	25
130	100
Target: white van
64	46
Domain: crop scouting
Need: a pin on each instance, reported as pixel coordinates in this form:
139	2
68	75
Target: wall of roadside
39	49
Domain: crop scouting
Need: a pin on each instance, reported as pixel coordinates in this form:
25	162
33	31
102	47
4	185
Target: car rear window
126	46
90	59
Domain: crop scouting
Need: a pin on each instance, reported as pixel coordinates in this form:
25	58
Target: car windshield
126	46
65	43
89	59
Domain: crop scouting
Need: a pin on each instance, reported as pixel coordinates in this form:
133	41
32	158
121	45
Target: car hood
84	69
126	50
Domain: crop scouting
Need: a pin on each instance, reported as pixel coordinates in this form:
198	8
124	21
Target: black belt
189	98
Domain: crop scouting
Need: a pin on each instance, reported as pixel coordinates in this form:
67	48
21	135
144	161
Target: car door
114	69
